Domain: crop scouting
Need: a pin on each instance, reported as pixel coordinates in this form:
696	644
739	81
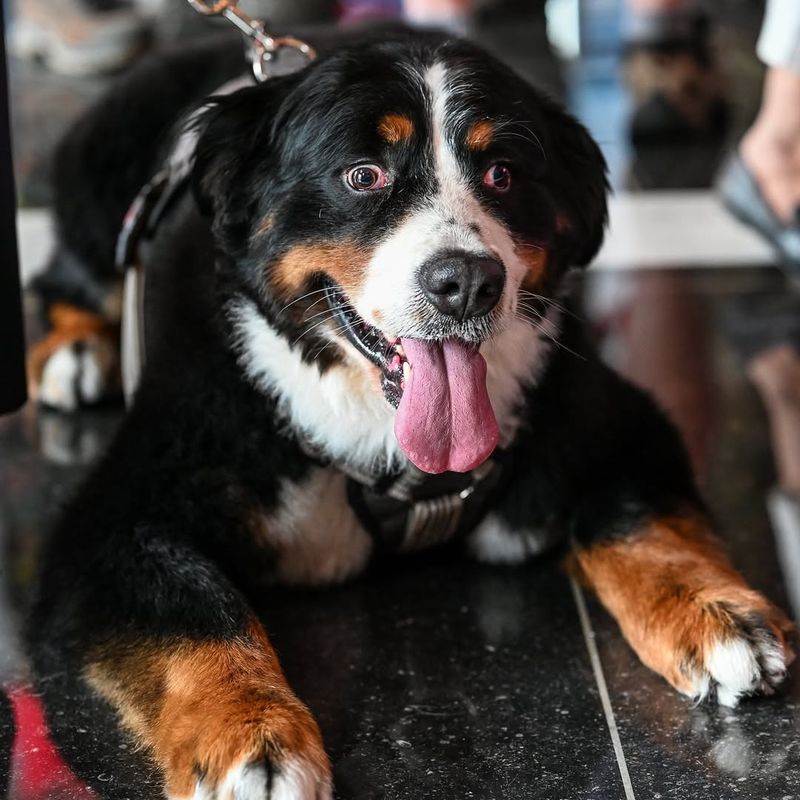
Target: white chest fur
315	533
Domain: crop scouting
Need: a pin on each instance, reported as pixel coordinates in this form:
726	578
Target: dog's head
392	212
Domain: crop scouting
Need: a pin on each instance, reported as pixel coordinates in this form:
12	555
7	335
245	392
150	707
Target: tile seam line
602	687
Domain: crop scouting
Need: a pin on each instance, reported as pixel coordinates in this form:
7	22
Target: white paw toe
296	779
250	782
735	670
92	381
299	780
742	666
78	373
59	388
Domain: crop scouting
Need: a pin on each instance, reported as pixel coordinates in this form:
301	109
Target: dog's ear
578	182
233	149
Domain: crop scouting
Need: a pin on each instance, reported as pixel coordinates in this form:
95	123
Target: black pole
12	335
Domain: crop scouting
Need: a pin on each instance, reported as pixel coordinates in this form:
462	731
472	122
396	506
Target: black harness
414	511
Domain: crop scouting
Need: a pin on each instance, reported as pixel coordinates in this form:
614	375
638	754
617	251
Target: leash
269	56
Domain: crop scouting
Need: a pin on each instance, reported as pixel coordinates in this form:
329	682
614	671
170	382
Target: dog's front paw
250	748
77	363
292	780
687	613
733	651
78	374
721	644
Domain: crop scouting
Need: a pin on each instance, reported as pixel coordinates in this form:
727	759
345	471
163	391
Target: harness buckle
435	520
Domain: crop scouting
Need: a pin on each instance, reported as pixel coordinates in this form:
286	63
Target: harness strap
141	221
408	509
421	511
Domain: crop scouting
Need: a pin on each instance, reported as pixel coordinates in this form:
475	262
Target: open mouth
388	356
445	421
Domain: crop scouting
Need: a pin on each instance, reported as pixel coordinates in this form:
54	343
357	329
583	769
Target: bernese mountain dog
358	344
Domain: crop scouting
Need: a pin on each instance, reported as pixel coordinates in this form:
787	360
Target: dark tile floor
439	677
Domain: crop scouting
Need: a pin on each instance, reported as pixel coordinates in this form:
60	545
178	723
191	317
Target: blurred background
694	296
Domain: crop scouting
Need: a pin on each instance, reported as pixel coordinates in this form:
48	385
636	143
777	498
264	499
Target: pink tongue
445	422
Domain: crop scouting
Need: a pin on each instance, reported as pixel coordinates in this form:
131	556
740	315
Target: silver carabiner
269	56
287	54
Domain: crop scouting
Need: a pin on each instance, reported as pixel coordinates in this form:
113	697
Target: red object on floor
38	772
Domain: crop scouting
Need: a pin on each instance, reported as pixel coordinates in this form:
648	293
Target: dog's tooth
406	371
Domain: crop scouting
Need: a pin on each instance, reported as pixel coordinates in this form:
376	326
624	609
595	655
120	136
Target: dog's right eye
365	178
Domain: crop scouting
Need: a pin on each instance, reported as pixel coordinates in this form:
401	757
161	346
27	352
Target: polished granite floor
439	678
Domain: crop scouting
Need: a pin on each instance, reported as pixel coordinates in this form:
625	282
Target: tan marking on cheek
479	135
395	128
535	258
377	315
345	262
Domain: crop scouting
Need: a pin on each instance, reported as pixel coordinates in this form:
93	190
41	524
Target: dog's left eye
365	178
497	178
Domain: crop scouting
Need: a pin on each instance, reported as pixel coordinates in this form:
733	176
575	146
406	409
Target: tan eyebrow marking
395	128
479	135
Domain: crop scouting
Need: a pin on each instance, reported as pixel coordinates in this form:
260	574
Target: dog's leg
685	611
159	631
77	363
218	717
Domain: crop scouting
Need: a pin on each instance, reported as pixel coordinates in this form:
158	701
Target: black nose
462	285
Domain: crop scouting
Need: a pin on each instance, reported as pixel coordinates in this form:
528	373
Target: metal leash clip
269	55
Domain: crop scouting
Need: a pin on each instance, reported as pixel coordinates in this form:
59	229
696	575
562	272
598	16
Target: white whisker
330	311
542	330
312	328
302	297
